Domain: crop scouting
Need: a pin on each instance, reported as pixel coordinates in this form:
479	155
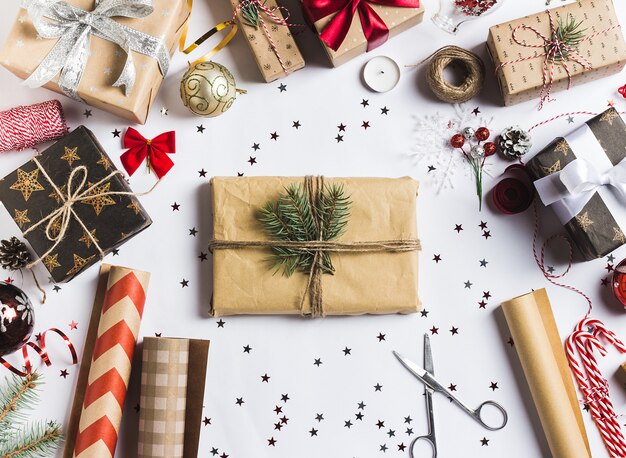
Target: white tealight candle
381	74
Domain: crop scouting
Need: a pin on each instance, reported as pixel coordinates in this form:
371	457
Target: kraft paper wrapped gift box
377	282
603	48
24	51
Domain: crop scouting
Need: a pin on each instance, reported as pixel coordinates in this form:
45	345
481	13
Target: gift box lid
98	222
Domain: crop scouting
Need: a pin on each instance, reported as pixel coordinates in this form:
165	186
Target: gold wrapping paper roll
244	282
106	365
540	350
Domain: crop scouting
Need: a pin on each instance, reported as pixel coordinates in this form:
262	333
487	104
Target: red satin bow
155	150
374	28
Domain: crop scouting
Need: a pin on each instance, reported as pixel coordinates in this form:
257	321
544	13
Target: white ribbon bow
578	181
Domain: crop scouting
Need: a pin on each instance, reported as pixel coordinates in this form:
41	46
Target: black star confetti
87	113
378	387
64	373
203	256
184	283
458	228
454	331
476	111
202	173
468	284
193	231
274	136
347	424
116	133
284	397
252	160
380	337
380	424
247	349
484	441
200	128
296	125
282	87
486	234
431	168
341	127
483	263
240	402
221	323
175	207
437	258
346	351
339	138
313	432
424	313
265	378
384	110
256	146
493	386
365	125
365	102
434	330
206	421
317	362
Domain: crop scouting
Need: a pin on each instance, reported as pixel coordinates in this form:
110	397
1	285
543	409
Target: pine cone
13	254
514	142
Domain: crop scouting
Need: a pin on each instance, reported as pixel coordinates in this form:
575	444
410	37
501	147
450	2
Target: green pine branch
17	438
250	14
568	31
293	218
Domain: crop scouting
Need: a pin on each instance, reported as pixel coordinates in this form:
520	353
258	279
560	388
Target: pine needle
20	394
568	31
291	218
250	14
39	440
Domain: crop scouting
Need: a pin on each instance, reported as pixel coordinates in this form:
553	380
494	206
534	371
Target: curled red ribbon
511	195
155	151
374	28
41	351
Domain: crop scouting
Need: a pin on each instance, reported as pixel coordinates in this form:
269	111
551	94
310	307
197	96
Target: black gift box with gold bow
72	194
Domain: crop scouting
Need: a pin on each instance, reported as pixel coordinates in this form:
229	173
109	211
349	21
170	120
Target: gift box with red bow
72	205
582	178
349	28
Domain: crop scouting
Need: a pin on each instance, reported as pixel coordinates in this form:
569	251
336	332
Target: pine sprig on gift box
293	217
250	14
569	33
19	440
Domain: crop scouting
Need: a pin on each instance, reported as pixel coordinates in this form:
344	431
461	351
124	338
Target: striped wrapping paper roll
106	366
173	373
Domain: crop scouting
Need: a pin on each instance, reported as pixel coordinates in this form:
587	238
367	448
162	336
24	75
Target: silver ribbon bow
74	27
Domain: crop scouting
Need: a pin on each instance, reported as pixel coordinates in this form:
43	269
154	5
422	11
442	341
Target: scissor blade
412	368
428	356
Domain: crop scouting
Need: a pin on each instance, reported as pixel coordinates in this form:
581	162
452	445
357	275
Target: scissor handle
430	438
477	415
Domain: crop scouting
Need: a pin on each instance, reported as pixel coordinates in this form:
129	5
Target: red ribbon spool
511	195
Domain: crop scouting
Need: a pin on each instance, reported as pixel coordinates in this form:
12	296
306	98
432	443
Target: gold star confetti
21	217
556	167
134	206
618	235
89	238
70	155
79	263
99	202
27	183
609	116
55	195
51	262
104	162
562	147
583	221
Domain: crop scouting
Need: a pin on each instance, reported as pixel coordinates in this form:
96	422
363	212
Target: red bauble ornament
482	134
622	91
490	148
619	282
16	318
457	140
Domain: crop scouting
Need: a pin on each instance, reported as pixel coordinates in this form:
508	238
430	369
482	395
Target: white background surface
285	347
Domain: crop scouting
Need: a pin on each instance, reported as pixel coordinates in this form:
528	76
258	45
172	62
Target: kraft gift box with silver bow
100	219
582	177
82	58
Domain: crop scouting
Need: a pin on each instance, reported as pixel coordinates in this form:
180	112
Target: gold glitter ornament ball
208	89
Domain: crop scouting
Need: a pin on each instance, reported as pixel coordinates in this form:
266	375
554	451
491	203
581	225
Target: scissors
426	375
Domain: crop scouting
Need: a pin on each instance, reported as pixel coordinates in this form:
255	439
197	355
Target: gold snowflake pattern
584	221
104	162
70	155
55	195
79	263
27	183
562	147
99	202
556	167
51	262
609	116
134	206
55	227
618	235
21	217
88	238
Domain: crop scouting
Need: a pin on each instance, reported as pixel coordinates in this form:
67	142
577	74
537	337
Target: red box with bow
349	28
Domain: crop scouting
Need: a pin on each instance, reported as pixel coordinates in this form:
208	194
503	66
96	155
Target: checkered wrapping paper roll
107	383
163	398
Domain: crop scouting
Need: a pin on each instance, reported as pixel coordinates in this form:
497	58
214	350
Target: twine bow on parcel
75	192
314	187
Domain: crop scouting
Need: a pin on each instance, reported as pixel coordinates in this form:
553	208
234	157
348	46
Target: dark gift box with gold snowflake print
584	174
70	193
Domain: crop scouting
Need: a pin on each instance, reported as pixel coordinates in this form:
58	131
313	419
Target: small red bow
156	151
374	28
622	91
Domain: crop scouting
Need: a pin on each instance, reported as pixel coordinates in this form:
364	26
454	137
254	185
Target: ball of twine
471	65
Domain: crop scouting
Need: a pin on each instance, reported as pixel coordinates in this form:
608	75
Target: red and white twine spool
26	126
